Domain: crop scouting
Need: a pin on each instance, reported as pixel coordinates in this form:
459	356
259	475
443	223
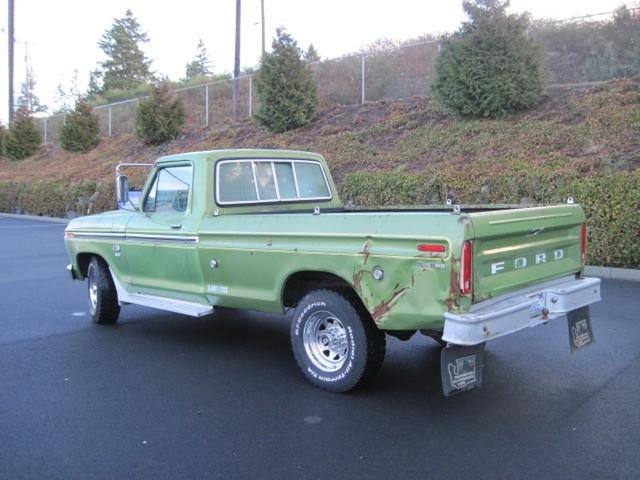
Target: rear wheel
335	342
103	299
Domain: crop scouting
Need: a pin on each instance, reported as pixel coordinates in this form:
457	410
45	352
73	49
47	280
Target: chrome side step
192	309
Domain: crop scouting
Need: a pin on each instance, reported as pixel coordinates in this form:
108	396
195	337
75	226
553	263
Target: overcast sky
62	35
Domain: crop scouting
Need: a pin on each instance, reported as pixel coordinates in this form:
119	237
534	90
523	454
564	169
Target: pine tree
81	129
27	98
23	137
160	117
311	55
126	66
490	66
95	87
285	87
200	65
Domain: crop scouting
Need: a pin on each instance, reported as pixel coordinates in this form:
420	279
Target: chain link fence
587	49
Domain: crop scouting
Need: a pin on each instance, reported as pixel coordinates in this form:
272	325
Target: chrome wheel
325	341
93	289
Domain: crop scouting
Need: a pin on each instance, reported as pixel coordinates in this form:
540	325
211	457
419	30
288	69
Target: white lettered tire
335	342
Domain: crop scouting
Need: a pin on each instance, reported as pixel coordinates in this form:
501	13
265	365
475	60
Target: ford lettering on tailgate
527	261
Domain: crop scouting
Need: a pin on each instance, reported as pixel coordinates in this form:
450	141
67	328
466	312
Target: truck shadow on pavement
252	342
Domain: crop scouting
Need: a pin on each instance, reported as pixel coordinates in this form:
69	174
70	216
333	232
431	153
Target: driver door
162	238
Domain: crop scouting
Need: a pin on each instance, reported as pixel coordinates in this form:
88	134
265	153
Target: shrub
23	137
286	90
160	117
81	130
55	198
490	66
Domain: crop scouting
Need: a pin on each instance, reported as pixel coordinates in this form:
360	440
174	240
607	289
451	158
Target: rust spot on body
357	279
454	290
381	310
365	252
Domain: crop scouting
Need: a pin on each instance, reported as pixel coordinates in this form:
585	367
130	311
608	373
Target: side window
170	190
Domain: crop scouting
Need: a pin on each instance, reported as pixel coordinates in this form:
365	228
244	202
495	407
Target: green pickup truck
265	230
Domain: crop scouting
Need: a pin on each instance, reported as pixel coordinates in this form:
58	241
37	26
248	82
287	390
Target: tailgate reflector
431	248
583	243
465	268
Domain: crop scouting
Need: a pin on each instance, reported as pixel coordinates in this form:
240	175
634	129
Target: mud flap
461	368
580	332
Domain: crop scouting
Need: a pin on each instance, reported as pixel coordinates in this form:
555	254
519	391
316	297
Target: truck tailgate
516	248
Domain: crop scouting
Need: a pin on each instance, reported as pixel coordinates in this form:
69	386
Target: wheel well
83	262
301	283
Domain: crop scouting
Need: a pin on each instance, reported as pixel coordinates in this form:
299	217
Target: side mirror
122	190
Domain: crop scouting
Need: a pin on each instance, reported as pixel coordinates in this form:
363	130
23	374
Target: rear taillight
583	243
431	248
465	268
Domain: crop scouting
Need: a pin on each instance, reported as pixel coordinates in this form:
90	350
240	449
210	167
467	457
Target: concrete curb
36	217
611	273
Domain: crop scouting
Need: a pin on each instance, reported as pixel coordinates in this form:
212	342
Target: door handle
176	226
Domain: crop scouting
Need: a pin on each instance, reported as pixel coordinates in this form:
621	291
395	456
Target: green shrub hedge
56	199
611	200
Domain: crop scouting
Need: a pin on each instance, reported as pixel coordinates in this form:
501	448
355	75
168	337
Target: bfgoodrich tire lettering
102	295
334	341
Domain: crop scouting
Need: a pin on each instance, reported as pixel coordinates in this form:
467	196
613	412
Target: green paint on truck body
261	250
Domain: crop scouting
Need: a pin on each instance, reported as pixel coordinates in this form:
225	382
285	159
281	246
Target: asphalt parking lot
166	396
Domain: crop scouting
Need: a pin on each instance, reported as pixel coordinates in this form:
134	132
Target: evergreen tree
490	66
23	137
27	98
95	85
311	55
285	87
81	130
126	66
160	117
200	65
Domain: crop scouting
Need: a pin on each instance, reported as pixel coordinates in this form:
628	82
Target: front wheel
103	298
335	342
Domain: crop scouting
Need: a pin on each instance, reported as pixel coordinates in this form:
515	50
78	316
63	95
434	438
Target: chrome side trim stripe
169	238
96	234
135	236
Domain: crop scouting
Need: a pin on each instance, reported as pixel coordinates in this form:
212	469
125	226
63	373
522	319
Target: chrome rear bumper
518	310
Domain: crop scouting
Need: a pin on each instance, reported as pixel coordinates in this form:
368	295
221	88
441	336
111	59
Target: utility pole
236	64
11	42
262	23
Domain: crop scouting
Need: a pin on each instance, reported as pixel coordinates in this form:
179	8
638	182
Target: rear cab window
247	181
